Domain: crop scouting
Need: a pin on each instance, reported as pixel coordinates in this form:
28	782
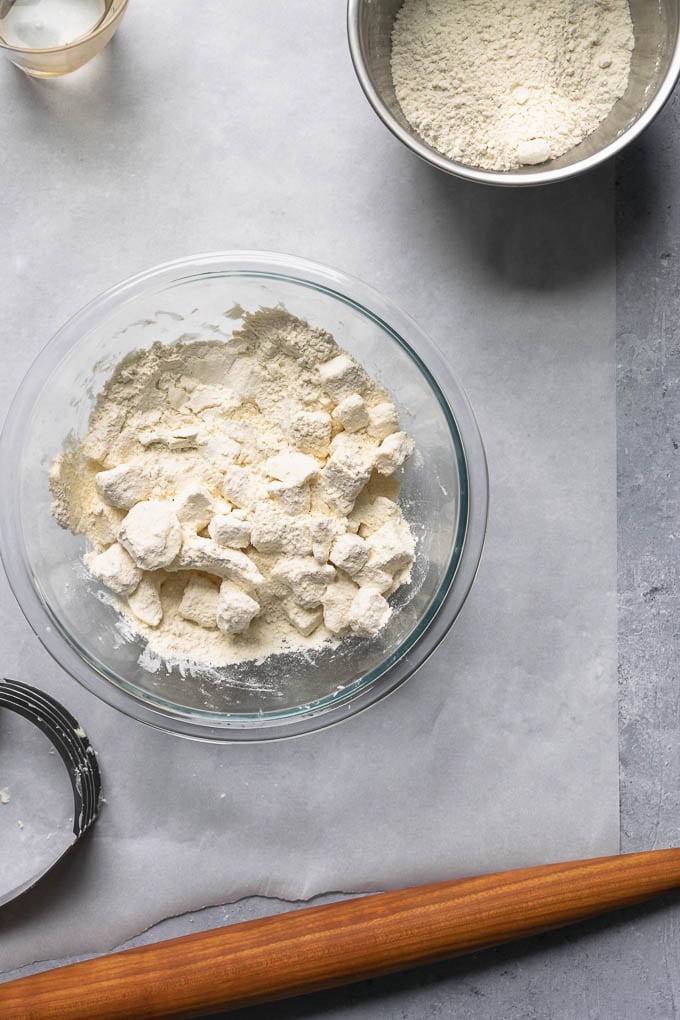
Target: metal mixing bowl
654	72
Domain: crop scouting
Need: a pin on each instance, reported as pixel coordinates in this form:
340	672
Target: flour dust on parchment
240	497
503	83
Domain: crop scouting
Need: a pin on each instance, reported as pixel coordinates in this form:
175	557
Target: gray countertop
621	967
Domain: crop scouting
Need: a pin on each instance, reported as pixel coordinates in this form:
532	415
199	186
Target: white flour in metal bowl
503	83
240	497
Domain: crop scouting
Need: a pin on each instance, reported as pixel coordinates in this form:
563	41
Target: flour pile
504	83
241	498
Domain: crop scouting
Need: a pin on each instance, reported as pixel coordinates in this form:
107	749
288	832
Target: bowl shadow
531	239
646	176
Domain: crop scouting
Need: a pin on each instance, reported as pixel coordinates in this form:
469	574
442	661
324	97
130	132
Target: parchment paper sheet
241	125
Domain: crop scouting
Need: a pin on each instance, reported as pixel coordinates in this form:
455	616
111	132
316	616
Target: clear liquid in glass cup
43	24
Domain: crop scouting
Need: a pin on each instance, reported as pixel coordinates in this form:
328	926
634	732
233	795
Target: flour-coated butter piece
343	478
115	568
194	506
392	546
324	531
275	531
152	534
235	609
358	445
349	553
204	554
533	151
104	524
351	412
368	613
124	485
305	621
337	603
292	468
294	499
342	376
311	431
242	487
199	602
230	530
145	601
382	420
373	576
372	514
392	452
306	579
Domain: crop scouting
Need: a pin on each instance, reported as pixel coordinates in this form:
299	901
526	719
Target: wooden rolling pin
319	947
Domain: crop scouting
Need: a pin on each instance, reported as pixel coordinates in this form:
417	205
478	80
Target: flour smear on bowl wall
499	84
241	498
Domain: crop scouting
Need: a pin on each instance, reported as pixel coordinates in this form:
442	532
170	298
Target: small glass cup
55	61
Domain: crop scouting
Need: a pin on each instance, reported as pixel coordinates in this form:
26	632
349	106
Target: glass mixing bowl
444	498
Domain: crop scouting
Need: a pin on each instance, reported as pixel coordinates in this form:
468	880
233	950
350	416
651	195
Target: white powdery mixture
503	83
240	498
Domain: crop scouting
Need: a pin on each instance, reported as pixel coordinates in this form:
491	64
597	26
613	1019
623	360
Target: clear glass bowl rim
448	601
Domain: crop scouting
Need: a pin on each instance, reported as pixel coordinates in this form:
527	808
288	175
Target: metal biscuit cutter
75	750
